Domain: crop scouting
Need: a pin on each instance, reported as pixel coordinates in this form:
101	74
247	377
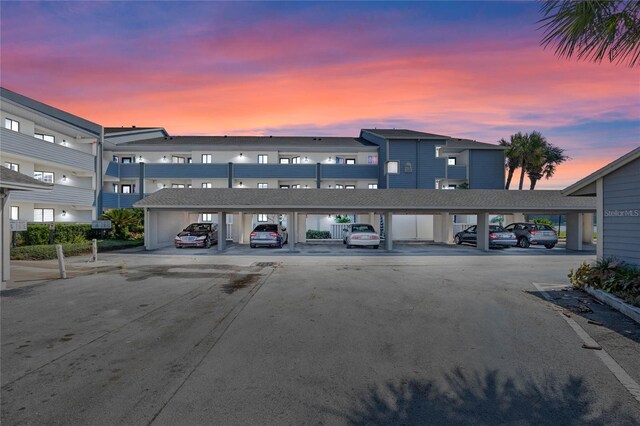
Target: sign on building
18	225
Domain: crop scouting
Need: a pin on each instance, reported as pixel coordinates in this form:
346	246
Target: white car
360	234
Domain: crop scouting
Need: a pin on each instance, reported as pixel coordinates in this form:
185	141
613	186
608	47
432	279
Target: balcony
28	146
349	171
111	200
60	194
185	171
457	172
274	171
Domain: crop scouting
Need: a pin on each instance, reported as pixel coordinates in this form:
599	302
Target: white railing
229	229
336	230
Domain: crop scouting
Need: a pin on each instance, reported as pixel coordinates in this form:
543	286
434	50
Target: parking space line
623	377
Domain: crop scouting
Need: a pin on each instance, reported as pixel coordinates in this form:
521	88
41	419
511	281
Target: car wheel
523	242
349	246
344	241
207	243
375	247
457	239
549	246
252	245
280	244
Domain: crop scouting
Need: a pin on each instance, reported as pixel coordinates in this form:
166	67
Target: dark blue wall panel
129	170
486	169
279	171
456	172
348	171
186	171
113	169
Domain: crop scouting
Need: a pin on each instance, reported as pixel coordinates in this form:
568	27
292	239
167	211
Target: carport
169	210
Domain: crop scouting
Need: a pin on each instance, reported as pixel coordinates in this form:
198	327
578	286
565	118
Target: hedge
48	251
318	235
63	233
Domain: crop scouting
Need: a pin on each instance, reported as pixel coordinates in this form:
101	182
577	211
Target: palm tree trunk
523	167
533	184
509	177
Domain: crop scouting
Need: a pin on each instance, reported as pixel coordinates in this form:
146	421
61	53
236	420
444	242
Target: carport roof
18	181
409	201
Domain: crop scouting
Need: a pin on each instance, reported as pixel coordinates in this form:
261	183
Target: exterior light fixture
64	212
240	183
329	186
241	155
392	167
64	178
164	158
140	158
306	159
306	186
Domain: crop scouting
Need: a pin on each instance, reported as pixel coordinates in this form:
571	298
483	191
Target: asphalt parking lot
270	339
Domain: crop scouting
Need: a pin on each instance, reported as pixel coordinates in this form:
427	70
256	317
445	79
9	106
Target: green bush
48	251
35	235
543	221
610	275
318	235
72	233
343	219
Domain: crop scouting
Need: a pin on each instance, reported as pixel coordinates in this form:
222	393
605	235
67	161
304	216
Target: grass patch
48	251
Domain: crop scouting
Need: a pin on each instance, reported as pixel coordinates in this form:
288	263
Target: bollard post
63	271
94	246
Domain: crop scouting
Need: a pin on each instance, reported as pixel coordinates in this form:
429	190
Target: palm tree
121	220
529	150
546	167
511	156
593	29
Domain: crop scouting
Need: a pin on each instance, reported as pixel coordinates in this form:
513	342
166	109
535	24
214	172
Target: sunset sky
465	69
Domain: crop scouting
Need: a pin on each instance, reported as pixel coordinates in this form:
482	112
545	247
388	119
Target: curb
615	302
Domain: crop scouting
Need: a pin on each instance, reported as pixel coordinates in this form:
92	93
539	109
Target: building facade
95	169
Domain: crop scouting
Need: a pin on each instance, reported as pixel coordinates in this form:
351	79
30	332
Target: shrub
318	235
543	221
35	235
610	275
44	252
121	221
72	233
343	219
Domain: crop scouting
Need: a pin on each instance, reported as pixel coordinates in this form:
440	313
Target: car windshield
362	228
495	228
198	227
266	228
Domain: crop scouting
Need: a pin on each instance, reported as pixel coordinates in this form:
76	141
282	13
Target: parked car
360	234
534	233
498	236
268	234
197	235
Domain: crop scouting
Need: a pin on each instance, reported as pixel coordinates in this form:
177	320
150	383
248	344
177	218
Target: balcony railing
28	146
457	172
60	194
349	171
111	200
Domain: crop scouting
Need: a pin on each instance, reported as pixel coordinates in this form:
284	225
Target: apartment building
95	169
52	146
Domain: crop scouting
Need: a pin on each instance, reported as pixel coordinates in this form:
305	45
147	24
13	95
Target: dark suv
268	234
534	234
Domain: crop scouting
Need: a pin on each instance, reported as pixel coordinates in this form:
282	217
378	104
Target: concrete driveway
311	340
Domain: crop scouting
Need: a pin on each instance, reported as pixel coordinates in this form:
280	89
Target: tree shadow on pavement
483	399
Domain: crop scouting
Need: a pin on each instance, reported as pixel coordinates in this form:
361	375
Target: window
373	186
263	218
178	160
207	158
12	166
177	185
393	167
207	185
451	186
339	186
295	160
295	186
451	161
285	186
127	160
351	161
116	159
189	186
349	187
11	124
115	188
207	217
372	159
127	189
15	210
284	161
339	160
46	138
43	176
263	185
263	159
43	215
189	160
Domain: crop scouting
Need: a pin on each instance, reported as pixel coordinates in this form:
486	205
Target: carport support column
388	231
5	235
483	231
301	222
574	231
587	228
291	222
222	231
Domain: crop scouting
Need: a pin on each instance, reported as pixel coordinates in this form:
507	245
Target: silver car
360	234
267	234
534	234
